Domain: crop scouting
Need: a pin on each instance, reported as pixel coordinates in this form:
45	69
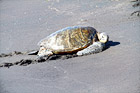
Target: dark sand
116	70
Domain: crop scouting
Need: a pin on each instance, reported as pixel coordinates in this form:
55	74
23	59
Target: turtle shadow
111	44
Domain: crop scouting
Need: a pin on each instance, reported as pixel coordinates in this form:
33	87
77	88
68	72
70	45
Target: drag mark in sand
25	62
136	4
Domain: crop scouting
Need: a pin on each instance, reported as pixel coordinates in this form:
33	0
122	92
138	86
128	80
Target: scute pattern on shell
69	39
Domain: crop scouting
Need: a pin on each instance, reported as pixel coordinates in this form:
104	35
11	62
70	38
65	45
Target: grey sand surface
25	22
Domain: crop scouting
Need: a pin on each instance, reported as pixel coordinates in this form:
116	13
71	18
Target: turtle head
103	37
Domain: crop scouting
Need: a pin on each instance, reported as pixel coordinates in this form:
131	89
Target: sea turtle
77	39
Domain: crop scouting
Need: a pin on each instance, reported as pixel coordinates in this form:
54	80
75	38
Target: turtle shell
69	40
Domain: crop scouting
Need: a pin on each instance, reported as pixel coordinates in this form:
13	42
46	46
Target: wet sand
115	70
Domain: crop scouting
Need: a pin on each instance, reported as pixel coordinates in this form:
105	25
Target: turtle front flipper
44	52
96	47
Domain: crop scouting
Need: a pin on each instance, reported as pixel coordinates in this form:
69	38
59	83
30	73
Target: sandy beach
23	23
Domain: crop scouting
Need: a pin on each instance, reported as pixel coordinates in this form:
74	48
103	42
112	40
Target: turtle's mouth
103	40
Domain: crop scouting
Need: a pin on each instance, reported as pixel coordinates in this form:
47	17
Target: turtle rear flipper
33	52
44	52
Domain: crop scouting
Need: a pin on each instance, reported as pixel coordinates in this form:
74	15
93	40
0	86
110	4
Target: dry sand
116	70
